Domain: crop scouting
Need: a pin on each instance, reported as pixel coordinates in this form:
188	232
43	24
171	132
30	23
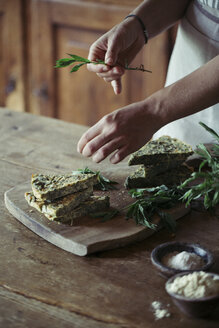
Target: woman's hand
117	48
121	132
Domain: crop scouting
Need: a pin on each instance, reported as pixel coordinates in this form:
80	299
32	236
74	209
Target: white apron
197	42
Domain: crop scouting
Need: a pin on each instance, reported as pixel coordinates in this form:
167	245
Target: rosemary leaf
79	59
167	221
64	62
103	184
211	131
76	68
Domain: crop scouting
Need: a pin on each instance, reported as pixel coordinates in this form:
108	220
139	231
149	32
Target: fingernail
105	68
86	152
109	61
96	159
114	159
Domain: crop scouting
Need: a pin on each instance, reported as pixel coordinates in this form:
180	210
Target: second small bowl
162	250
194	307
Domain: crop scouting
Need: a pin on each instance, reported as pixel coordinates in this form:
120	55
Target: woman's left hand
121	132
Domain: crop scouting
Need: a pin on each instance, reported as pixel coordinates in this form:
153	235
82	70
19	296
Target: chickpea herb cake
59	206
50	187
90	205
164	149
160	161
65	197
138	179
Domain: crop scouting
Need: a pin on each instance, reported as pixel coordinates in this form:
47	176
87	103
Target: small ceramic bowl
199	307
162	250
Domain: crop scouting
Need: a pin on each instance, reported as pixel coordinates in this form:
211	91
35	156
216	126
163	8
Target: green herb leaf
211	131
167	221
79	59
103	184
64	62
76	68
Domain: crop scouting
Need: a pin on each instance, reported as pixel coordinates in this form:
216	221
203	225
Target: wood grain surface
42	285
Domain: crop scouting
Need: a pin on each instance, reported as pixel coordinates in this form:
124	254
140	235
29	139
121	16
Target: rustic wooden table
43	286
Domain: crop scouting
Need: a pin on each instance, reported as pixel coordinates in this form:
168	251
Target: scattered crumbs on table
159	310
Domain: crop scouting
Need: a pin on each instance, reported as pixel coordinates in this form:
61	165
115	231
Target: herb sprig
208	188
79	61
151	201
103	184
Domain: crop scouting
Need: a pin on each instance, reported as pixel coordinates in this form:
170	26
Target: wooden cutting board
89	235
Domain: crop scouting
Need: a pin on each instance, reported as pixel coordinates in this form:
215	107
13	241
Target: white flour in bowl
183	261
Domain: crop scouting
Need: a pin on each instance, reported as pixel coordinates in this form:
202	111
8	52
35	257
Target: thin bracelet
142	25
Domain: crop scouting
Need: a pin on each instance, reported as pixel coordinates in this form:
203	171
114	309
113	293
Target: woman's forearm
158	15
191	94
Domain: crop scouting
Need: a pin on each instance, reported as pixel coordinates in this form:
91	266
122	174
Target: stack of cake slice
162	161
65	197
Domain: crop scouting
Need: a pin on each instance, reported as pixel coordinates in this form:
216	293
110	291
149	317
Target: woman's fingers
106	72
120	154
98	68
95	144
114	76
107	149
117	86
87	136
94	138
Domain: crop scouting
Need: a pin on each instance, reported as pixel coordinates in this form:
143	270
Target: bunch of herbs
208	188
151	201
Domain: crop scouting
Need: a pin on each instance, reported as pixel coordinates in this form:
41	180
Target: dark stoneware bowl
161	250
200	307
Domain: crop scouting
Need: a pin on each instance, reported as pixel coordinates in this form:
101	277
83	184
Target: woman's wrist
142	25
187	96
153	112
133	26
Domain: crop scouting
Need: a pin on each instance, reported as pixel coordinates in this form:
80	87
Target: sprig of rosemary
63	62
104	183
208	189
151	201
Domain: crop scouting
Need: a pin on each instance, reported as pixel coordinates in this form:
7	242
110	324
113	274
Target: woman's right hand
117	48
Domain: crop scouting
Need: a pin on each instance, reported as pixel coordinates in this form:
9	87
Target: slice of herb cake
91	205
138	179
50	187
163	150
152	170
59	206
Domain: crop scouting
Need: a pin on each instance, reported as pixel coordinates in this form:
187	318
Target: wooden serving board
89	235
